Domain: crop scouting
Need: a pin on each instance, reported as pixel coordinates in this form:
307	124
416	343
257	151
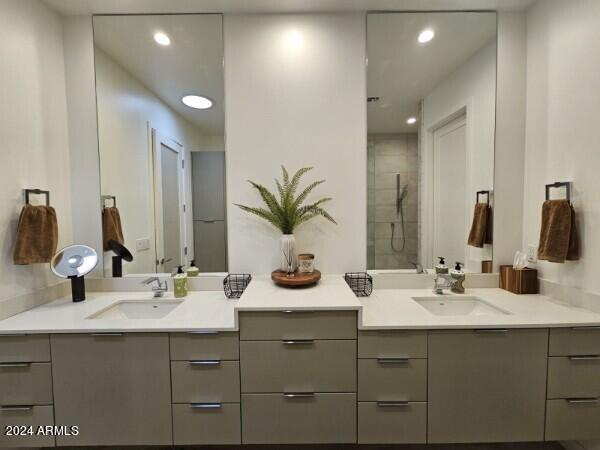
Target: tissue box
519	281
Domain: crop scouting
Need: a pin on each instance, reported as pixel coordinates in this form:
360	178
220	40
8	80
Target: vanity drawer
574	341
25	384
197	424
26	416
205	381
298	366
392	379
314	419
24	348
392	423
272	325
572	420
392	344
196	346
575	376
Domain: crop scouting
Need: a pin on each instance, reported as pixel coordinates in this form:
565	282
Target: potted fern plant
286	211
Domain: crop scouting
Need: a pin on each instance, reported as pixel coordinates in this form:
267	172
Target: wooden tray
299	279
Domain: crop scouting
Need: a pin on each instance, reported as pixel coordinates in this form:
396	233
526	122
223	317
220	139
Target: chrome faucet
442	281
158	290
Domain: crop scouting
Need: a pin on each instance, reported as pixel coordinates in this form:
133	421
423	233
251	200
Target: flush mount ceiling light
426	35
197	102
411	120
162	39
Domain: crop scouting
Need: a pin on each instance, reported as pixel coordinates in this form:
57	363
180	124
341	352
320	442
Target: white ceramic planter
288	253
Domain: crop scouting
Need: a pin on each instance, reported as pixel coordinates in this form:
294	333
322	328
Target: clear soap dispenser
441	266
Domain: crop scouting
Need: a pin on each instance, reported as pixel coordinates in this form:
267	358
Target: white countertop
212	311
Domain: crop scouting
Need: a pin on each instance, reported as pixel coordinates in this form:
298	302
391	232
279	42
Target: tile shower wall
389	155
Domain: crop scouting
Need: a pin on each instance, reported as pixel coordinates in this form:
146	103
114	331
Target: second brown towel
111	227
559	239
37	235
481	228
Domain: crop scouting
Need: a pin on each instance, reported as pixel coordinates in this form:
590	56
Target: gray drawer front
321	419
392	424
25	384
205	382
206	426
572	421
191	346
574	341
318	366
274	325
392	344
392	380
34	417
577	376
24	348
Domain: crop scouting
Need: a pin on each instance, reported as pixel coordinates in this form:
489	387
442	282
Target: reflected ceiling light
426	35
162	39
197	102
294	38
411	120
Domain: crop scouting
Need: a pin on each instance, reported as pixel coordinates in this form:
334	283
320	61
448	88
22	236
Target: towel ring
486	193
109	197
559	184
37	192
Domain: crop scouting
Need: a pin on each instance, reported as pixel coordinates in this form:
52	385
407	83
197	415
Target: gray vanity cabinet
487	385
115	387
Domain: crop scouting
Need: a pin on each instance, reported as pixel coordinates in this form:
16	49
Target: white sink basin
137	309
458	306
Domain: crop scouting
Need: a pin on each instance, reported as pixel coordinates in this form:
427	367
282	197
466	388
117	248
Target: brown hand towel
480	225
37	235
489	229
111	227
559	240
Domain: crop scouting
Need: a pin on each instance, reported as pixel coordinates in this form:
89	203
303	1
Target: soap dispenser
441	267
458	278
180	283
192	271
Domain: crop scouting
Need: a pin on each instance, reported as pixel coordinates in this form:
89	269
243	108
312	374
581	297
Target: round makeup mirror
74	262
121	253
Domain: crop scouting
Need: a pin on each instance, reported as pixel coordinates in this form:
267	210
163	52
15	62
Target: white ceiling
192	64
70	7
402	71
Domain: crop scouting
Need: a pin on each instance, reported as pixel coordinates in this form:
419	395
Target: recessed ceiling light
162	39
411	120
197	101
426	35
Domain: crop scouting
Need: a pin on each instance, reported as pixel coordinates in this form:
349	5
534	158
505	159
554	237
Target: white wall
563	94
33	127
125	107
471	88
295	95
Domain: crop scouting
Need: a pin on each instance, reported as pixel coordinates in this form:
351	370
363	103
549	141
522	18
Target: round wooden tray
299	279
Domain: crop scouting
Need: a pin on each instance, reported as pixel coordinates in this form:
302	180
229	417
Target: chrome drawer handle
299	394
297	311
15	364
12	335
203	332
582	400
584	328
392	360
212	362
107	334
491	330
205	405
16	408
401	404
299	342
585	358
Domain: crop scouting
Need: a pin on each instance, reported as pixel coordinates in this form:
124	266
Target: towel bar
109	197
39	192
559	184
487	193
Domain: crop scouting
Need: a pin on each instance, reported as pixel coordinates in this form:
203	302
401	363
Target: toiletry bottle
180	283
441	267
458	277
192	271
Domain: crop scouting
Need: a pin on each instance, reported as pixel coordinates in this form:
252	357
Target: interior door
169	203
450	173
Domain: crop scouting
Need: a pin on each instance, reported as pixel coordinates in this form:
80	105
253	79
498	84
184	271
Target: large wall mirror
431	119
160	97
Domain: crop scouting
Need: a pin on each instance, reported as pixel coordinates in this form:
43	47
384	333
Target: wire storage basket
361	283
234	284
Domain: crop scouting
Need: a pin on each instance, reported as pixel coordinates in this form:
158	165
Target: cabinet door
487	385
115	387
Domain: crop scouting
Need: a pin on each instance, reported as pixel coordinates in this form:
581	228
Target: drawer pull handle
12	335
297	311
16	408
205	405
584	328
15	364
392	360
213	362
203	332
299	342
299	395
402	404
585	358
491	330
582	400
107	334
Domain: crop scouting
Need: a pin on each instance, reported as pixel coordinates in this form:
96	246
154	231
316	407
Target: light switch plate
532	253
142	244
